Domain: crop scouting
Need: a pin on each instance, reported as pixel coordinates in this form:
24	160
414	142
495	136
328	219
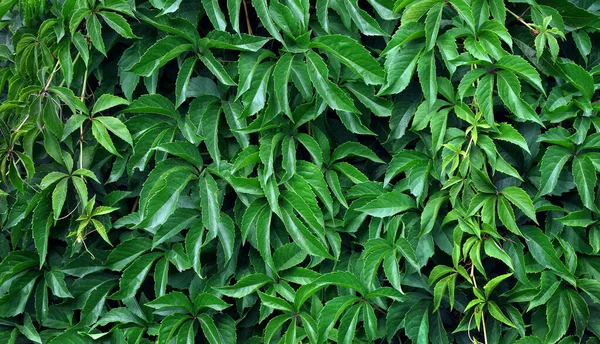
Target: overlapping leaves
292	171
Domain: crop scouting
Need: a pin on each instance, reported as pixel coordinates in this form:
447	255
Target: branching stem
519	18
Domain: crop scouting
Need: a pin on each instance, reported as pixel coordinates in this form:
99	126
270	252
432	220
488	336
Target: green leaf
233	7
353	55
41	223
134	276
275	303
584	176
578	77
171	324
66	62
335	97
302	236
519	198
107	101
558	316
56	282
118	23
206	300
543	252
183	79
183	150
509	134
211	209
416	322
370	322
388	204
281	76
59	195
126	252
92	25
210	129
379	106
365	23
551	166
498	10
414	11
348	325
580	311
347	149
215	14
331	313
432	25
509	90
245	286
496	312
215	67
161	52
101	135
406	250
174	300
522	68
464	11
67	96
399	67
580	218
262	11
427	76
152	104
115	126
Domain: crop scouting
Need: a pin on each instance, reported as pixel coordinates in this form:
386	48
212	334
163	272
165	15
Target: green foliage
295	171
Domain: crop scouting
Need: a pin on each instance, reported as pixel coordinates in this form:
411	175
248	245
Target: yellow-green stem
522	21
82	97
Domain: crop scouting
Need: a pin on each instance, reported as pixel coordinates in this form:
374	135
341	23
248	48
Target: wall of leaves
295	171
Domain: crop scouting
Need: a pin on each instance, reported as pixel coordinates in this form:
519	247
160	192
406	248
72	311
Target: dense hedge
184	171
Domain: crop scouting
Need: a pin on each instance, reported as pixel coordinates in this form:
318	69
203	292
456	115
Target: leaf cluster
295	171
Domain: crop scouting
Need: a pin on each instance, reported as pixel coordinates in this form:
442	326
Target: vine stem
518	17
472	274
82	97
22	124
56	66
247	17
484	329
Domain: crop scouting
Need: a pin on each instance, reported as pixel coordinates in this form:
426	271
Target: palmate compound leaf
293	171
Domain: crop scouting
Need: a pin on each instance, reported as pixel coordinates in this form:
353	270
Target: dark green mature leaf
118	23
353	55
41	223
335	97
558	316
543	252
94	30
522	68
245	285
388	204
509	90
400	65
159	54
165	160
584	176
551	166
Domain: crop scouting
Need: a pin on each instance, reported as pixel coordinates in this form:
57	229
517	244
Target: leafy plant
266	171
